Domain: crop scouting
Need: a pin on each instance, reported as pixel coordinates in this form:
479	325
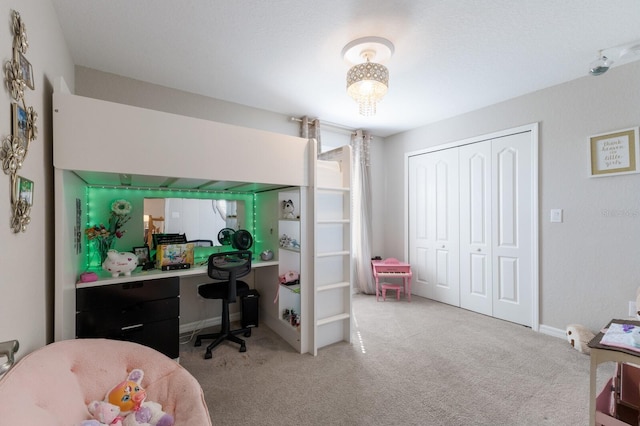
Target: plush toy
130	397
287	209
290	277
103	413
579	337
285	241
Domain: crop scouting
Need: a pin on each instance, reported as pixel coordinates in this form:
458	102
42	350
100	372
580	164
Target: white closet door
512	164
433	225
476	288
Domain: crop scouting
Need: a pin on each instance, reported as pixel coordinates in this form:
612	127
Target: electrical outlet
632	308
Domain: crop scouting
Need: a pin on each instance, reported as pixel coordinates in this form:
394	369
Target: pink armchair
54	384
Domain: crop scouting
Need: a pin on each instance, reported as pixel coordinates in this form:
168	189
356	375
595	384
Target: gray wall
589	264
26	259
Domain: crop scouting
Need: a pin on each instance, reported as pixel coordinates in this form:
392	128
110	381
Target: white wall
589	264
26	260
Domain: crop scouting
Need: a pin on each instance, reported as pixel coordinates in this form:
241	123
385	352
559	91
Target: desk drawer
122	296
162	336
102	322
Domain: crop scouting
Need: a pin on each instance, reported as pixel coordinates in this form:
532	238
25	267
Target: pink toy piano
392	268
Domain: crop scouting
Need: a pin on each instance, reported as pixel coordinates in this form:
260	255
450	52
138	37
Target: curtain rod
324	123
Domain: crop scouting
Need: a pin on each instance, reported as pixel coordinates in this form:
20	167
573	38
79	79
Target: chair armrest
8	349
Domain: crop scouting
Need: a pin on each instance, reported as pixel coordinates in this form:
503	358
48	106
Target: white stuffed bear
103	414
579	337
287	209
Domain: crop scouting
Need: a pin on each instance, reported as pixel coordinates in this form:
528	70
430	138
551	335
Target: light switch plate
556	215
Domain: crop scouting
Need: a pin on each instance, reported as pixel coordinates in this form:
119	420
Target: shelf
295	250
333	286
333	189
289	220
333	221
295	288
334	318
334	253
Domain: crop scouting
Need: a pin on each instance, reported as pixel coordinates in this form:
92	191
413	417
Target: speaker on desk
249	304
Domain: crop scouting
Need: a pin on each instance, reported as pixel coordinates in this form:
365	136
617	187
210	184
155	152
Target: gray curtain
310	129
362	227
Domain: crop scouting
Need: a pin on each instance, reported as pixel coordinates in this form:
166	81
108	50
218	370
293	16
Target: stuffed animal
285	241
579	337
130	397
287	209
103	414
290	277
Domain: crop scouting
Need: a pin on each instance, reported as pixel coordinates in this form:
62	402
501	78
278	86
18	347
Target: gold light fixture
367	81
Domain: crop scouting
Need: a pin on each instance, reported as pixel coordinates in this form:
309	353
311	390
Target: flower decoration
20	41
15	82
21	217
105	236
32	129
12	154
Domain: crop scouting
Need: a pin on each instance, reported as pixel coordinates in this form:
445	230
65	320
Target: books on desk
625	336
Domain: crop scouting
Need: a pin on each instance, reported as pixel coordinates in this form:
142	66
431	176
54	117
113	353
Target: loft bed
104	144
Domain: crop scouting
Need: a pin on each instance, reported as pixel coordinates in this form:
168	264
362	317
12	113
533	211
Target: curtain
362	224
310	129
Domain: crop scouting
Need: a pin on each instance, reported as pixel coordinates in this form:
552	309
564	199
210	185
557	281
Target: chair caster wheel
207	355
197	343
243	348
247	333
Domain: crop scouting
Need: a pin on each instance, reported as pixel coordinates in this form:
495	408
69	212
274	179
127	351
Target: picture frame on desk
144	257
143	254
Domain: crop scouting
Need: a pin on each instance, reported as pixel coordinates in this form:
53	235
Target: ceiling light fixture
367	81
600	65
606	57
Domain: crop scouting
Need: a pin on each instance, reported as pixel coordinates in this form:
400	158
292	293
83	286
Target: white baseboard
207	322
551	331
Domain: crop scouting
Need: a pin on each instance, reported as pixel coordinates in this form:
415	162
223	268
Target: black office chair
227	266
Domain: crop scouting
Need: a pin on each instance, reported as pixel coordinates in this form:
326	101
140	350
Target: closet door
433	225
512	200
476	288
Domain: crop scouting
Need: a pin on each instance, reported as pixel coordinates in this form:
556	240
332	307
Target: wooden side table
602	353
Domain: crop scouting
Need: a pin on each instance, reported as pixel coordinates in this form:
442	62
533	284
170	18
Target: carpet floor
418	363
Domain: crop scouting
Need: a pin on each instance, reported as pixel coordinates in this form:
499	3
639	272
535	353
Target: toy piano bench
389	286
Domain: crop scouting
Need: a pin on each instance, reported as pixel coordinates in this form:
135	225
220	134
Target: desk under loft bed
99	146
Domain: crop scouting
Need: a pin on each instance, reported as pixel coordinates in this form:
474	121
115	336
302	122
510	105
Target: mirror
198	219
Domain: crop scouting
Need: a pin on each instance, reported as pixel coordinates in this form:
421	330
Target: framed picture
615	153
26	71
24	190
143	254
19	122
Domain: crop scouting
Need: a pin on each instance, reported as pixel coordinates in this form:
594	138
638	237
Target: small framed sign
615	153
